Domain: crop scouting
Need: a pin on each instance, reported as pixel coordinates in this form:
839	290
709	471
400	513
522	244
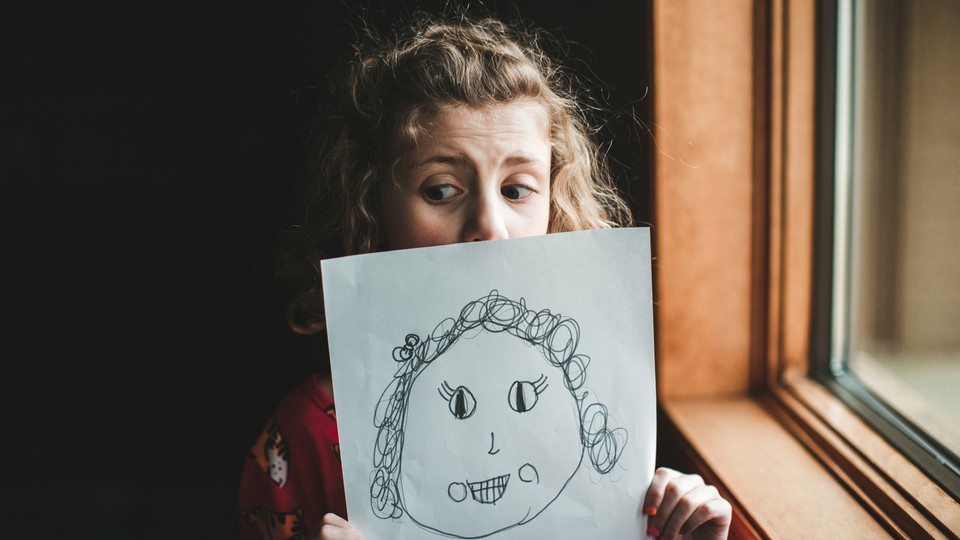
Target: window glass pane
904	220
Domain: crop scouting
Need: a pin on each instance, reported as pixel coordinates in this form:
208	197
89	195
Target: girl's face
476	174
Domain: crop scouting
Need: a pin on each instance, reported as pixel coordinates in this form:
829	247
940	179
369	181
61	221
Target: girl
447	132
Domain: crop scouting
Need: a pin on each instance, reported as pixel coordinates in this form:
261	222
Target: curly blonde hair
389	85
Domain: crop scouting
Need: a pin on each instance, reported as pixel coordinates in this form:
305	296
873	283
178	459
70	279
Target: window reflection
905	214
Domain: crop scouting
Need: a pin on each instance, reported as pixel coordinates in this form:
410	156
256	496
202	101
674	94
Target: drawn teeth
489	491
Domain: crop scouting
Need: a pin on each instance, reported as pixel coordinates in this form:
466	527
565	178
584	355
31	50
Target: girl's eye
461	402
516	191
524	394
441	192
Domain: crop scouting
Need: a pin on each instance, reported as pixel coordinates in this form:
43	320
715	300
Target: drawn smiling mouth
489	491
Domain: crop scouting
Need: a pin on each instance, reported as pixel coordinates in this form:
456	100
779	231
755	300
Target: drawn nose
486	221
493	445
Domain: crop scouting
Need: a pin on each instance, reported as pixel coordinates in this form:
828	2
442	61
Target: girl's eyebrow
444	159
514	161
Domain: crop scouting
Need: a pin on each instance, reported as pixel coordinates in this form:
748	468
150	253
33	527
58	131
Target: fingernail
652	531
650	510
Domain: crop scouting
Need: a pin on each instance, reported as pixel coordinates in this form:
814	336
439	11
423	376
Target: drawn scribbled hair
555	336
392	83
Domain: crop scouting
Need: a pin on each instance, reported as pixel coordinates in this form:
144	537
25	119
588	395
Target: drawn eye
460	400
523	394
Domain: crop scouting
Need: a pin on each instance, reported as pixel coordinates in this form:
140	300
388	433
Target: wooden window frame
735	111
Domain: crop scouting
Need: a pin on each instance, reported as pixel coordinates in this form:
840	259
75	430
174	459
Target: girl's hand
682	505
335	527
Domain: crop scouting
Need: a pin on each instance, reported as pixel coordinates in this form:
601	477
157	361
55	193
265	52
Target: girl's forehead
447	118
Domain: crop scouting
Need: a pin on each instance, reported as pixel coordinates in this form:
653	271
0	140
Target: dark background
149	155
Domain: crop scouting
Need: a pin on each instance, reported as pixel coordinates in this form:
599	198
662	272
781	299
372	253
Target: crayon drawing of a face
486	420
496	437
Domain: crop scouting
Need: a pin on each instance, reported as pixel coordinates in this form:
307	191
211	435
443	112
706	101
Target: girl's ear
305	313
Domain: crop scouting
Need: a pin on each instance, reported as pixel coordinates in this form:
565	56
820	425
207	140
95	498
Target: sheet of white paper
501	389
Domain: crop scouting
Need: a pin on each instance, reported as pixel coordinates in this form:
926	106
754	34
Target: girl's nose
486	221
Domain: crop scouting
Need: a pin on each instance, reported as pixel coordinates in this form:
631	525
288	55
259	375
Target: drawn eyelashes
462	402
522	397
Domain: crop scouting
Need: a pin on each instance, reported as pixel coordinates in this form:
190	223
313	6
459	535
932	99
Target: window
895	309
744	118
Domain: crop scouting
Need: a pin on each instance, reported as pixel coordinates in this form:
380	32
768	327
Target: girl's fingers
336	528
712	519
662	477
678	521
671	489
335	520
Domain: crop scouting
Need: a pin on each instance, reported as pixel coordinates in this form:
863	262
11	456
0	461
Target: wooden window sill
767	454
776	486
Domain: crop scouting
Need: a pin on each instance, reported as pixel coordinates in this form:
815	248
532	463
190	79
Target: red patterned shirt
292	475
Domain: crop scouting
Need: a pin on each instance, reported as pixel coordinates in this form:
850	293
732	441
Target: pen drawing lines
502	379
